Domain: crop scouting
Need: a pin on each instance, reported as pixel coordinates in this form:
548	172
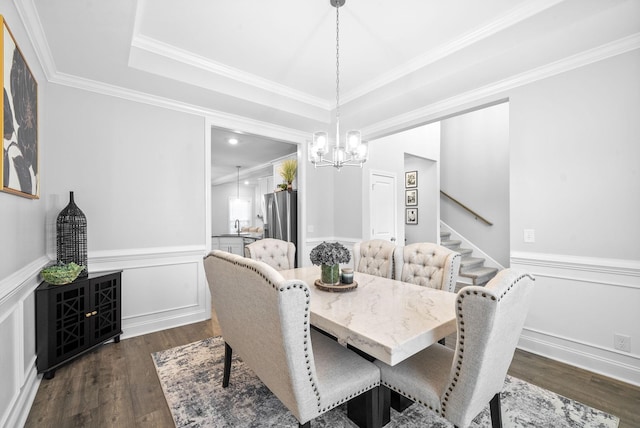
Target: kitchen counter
253	236
233	242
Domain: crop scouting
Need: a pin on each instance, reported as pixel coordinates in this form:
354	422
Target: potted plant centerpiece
288	171
329	255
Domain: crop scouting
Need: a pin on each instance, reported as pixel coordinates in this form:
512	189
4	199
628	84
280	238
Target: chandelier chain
338	63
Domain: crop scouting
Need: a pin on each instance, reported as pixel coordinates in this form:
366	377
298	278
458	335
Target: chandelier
354	151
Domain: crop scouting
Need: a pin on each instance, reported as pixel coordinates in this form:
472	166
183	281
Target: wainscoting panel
579	304
161	288
18	380
8	358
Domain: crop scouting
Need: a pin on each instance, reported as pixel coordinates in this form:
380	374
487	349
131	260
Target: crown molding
470	38
28	14
182	56
435	110
31	21
217	118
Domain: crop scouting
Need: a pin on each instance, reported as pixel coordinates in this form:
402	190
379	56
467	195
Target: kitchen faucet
236	226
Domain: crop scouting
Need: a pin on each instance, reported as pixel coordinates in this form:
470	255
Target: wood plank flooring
116	385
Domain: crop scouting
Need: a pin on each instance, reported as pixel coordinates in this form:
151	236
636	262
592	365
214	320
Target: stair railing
475	214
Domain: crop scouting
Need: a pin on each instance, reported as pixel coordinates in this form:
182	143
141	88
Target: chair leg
307	425
496	413
227	365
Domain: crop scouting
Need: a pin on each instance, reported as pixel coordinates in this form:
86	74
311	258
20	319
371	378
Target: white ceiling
253	154
274	61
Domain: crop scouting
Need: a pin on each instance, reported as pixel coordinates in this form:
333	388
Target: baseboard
161	321
616	365
579	305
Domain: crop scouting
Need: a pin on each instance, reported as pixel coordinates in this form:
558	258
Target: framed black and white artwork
19	123
411	197
411	216
411	179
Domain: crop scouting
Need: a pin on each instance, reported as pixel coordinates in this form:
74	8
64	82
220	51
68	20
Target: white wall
575	173
575	161
388	154
475	170
428	227
320	202
138	174
135	169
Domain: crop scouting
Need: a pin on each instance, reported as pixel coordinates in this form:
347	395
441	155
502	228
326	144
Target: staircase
472	269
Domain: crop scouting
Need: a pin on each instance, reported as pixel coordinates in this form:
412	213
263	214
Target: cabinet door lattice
74	318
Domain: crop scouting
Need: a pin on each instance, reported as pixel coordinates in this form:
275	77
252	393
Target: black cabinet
74	318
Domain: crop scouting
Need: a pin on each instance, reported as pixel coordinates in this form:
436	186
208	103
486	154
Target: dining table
379	318
387	319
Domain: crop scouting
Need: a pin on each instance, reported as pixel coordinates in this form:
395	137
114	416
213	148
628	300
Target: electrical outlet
529	235
622	342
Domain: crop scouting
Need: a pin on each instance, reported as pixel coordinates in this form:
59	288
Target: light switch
529	235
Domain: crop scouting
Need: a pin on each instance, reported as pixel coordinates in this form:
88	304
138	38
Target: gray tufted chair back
374	257
490	320
428	264
265	319
458	384
278	254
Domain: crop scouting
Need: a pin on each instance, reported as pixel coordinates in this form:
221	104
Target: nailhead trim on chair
454	381
445	399
305	324
452	285
304	288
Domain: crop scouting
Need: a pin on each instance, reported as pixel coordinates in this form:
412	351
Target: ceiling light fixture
355	151
232	141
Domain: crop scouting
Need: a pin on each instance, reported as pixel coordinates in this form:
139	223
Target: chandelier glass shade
353	151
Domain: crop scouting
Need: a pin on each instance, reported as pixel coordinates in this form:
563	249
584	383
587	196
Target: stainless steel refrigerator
281	216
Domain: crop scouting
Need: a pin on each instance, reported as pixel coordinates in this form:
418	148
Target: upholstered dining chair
427	264
458	384
374	257
276	253
265	319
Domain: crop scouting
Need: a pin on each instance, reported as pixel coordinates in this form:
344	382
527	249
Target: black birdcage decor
71	236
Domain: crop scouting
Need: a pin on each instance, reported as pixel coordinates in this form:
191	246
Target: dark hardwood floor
116	385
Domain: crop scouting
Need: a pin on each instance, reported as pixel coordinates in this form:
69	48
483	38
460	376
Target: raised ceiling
273	62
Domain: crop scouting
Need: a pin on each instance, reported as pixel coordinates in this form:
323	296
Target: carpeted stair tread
472	269
480	275
470	263
464	252
451	244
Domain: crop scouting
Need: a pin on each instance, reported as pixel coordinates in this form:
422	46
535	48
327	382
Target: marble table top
389	320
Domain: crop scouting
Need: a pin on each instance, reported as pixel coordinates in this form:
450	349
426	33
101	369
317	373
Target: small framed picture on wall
411	197
411	179
411	216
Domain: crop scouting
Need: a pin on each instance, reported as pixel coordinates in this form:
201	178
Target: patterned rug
191	378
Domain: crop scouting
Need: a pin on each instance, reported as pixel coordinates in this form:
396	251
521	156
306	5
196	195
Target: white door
383	206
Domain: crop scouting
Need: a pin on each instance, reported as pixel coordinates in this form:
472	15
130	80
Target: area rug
191	378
